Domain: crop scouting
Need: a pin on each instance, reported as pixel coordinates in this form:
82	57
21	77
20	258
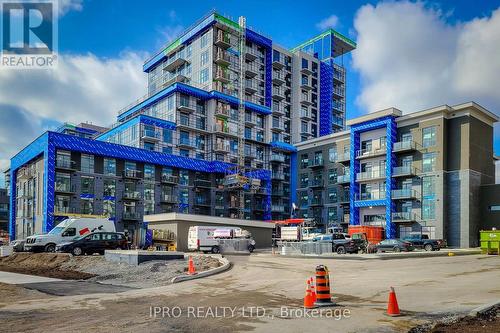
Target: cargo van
209	238
65	231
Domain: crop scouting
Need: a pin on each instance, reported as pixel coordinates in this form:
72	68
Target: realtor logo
29	34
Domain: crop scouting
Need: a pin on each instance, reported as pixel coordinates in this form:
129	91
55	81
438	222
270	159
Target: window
167	150
87	163
429	162
304	180
109	188
332	195
332	154
494	208
204	58
428	186
87	184
204	75
149	146
305	63
167	135
63	159
332	176
304	161
428	209
429	136
87	206
108	208
63	182
332	214
149	171
183	177
110	166
184	152
62	204
204	40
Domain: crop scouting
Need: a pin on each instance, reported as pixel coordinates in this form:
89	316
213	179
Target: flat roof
178	217
374	115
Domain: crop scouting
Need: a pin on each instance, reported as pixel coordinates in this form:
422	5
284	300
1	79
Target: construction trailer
178	225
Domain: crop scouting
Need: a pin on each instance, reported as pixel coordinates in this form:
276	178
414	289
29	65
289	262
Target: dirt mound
43	264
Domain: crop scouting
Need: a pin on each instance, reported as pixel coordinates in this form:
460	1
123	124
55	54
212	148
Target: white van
201	238
66	231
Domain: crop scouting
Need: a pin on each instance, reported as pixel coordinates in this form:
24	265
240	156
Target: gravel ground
145	275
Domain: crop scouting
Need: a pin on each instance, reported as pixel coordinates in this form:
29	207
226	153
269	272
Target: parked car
394	245
422	241
340	244
18	245
95	242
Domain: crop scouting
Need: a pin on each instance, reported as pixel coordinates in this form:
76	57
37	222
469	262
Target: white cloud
327	23
65	6
82	88
410	57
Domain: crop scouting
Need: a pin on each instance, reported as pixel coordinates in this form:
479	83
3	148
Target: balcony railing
404	146
170	198
316	183
405	193
277	158
223	40
222	58
405	170
151	135
133	195
344	178
131	173
343	157
363	153
131	216
404	217
370	196
278	208
166	178
221	147
66	188
222	110
277	175
316	163
370	175
316	202
64	163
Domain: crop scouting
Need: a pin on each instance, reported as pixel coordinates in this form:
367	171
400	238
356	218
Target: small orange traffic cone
313	290
191	269
308	300
392	306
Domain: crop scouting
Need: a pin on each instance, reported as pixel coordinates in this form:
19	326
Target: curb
483	308
386	256
225	266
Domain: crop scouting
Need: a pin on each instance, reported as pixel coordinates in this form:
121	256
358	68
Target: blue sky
410	55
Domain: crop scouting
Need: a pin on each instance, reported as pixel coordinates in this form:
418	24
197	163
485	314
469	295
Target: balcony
65	188
278	126
346	219
252	70
343	179
251	54
316	163
370	175
277	158
371	152
185	106
338	91
251	86
277	208
168	198
344	199
404	146
305	100
338	106
316	202
131	216
343	157
169	179
222	76
131	195
203	183
404	217
278	93
222	110
168	80
132	174
314	183
277	192
221	147
338	73
405	170
278	78
306	114
223	40
304	84
218	128
277	175
62	163
175	62
222	58
151	135
185	123
278	63
250	120
370	196
404	193
278	109
306	70
186	143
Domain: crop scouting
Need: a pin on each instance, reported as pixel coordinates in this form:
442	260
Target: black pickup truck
422	241
340	244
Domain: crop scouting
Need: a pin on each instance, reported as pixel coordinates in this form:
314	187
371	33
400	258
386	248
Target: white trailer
215	239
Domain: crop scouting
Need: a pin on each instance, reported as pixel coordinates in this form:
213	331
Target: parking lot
263	289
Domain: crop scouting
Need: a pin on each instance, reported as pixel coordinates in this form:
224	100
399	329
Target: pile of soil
488	321
42	264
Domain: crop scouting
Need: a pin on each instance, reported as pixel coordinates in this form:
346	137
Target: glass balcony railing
363	153
404	146
405	170
405	193
370	175
404	217
370	196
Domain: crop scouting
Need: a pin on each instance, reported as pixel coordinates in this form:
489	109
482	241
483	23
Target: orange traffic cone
392	306
191	269
308	300
313	290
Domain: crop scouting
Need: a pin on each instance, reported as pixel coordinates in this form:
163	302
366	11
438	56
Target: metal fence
304	248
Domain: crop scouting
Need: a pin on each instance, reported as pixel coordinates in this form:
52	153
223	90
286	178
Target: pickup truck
422	241
340	244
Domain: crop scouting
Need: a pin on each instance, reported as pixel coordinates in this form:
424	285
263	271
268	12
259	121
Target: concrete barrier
225	266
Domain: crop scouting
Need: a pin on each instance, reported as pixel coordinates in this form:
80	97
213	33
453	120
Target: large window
428	185
204	75
109	188
87	163
87	184
149	171
110	166
183	177
63	182
332	154
428	209
87	206
429	162
62	204
108	208
429	136
204	58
